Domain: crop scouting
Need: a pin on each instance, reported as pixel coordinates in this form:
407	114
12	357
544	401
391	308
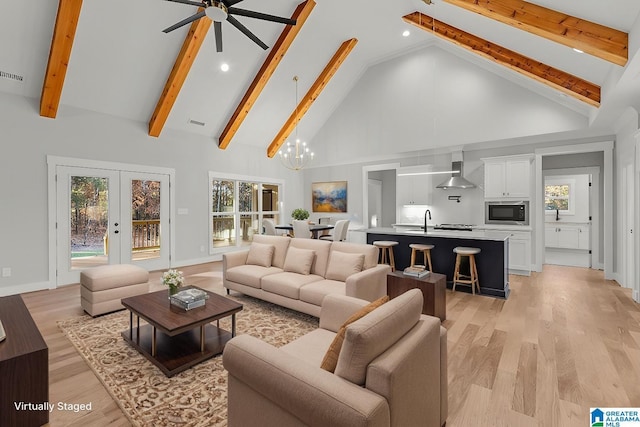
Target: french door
109	216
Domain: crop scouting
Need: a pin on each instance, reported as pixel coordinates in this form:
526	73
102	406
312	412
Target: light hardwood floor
565	340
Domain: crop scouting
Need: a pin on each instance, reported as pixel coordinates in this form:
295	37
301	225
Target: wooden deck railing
145	235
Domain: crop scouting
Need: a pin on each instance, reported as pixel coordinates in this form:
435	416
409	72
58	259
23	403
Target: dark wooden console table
433	287
24	366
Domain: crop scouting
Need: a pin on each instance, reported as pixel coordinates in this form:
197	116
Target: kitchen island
492	262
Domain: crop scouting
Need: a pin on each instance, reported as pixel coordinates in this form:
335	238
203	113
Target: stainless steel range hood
456	181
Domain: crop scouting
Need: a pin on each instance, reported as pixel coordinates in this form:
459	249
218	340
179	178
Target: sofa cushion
311	346
367	338
280	245
250	275
287	284
321	248
331	357
299	260
343	264
370	252
260	254
314	293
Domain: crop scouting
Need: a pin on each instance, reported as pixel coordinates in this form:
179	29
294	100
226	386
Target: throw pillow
260	254
343	265
330	360
299	260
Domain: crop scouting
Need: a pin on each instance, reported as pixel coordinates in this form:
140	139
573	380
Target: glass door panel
145	232
88	217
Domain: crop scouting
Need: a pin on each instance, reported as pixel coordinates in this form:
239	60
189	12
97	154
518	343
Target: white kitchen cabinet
567	236
507	177
520	252
414	190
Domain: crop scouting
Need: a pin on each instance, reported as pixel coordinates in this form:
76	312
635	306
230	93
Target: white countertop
496	235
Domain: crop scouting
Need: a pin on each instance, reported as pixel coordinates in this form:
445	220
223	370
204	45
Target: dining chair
269	227
301	229
339	231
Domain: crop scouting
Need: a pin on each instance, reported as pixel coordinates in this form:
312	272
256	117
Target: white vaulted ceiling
121	58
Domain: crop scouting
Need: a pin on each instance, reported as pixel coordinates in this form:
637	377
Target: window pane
222	196
248	227
145	219
224	233
557	190
88	221
248	197
269	197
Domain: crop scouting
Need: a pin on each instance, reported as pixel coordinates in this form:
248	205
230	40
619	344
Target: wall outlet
6	271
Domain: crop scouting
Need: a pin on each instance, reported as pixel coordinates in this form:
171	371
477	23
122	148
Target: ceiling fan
219	11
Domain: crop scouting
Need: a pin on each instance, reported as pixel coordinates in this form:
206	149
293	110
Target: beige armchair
391	371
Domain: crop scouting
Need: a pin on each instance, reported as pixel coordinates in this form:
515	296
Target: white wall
26	139
431	98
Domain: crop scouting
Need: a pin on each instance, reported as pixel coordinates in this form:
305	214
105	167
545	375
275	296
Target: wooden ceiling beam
595	39
184	61
64	34
567	83
270	64
318	86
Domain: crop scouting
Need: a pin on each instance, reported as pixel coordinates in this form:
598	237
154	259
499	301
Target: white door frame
365	187
636	286
607	148
377	187
54	161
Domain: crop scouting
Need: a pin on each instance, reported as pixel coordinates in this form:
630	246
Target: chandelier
297	155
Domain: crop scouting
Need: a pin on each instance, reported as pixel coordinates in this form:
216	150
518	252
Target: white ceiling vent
11	76
196	122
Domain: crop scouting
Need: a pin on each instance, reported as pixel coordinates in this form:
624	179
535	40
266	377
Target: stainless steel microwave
516	213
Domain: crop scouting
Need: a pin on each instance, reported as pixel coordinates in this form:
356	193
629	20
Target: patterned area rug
195	397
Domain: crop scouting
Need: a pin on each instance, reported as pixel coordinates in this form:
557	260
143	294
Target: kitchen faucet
557	214
427	212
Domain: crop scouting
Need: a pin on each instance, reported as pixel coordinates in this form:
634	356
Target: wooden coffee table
175	339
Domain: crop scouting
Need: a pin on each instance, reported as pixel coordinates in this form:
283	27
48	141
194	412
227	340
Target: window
238	207
559	195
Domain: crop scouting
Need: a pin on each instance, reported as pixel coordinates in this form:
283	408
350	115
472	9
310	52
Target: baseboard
24	288
195	261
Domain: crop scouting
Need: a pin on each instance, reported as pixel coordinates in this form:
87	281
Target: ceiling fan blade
189	2
233	21
263	16
217	28
230	3
184	22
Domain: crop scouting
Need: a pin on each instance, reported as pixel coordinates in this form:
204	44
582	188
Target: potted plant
300	214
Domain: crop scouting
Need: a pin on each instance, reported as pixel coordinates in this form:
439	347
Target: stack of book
189	298
416	271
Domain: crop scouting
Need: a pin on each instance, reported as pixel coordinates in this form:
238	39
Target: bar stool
386	247
472	280
426	252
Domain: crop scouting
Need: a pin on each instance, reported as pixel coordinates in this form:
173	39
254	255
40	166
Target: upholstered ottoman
102	288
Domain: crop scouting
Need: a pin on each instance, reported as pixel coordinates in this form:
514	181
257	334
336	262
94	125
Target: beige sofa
299	273
391	371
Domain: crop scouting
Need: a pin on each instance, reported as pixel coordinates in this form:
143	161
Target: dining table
314	228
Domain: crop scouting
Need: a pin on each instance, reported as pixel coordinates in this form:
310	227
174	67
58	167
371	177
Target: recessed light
578	50
405	33
224	67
